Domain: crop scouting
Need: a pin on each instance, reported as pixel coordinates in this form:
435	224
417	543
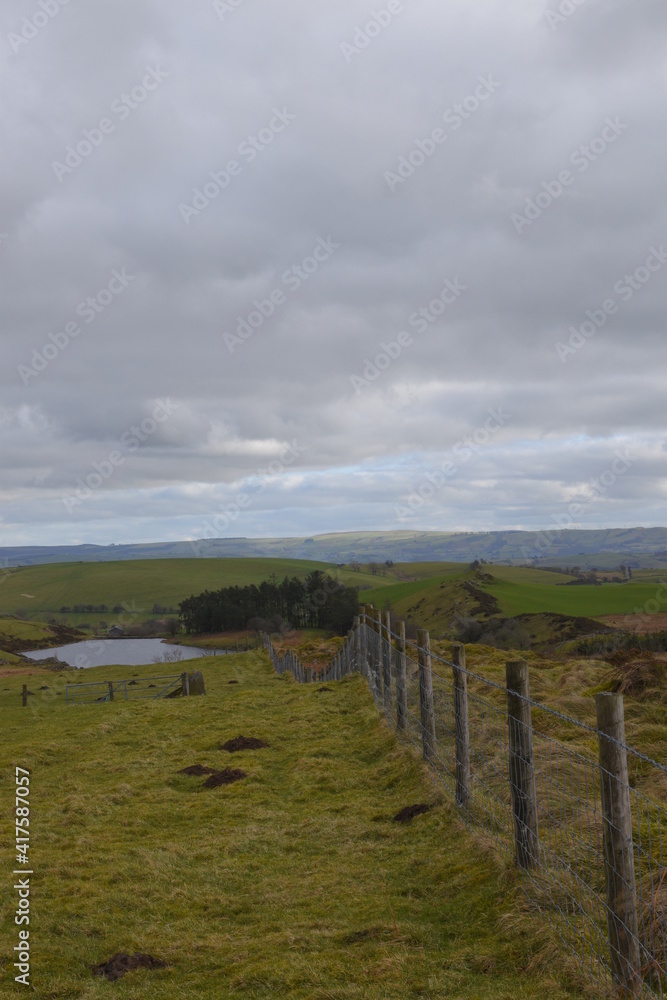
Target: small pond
131	652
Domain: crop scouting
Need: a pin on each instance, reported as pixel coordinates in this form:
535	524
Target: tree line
316	602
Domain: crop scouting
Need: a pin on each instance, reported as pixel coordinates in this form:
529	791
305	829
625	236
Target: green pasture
291	883
43	590
519	596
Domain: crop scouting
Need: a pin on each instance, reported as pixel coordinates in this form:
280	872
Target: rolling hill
641	546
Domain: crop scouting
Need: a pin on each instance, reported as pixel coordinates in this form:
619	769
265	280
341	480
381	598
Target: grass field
433	575
520	592
292	883
43	590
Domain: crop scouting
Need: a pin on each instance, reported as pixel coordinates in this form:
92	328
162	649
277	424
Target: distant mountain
639	546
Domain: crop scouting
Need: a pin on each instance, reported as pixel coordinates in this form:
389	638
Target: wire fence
593	848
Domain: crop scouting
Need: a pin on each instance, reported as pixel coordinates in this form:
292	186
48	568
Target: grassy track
293	883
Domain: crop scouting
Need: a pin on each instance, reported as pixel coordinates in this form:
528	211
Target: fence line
170	686
593	849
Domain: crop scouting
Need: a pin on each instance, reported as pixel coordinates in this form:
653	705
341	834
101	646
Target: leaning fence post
619	863
24	696
522	769
387	653
461	726
426	695
401	682
110	685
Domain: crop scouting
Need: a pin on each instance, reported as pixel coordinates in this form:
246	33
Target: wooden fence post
426	695
377	656
462	727
363	644
401	682
24	696
387	652
619	862
110	686
185	684
522	769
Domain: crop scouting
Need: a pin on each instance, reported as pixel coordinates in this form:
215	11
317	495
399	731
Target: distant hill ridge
644	546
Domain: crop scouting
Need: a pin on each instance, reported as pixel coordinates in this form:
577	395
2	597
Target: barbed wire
535	704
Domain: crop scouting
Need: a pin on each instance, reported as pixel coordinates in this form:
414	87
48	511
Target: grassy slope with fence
589	836
292	883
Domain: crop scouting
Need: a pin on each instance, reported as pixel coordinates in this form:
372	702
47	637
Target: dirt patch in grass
244	743
232	682
197	770
654	622
324	688
121	963
409	812
226	777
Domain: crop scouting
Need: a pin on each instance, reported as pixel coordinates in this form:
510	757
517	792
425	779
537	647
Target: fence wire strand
571	871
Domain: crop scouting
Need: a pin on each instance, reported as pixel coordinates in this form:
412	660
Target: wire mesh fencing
592	847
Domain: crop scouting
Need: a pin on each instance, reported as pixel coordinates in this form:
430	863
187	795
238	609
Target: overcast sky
278	269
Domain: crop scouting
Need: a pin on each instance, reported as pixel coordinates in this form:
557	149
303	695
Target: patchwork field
294	881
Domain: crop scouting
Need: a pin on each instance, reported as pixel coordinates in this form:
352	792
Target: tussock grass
292	883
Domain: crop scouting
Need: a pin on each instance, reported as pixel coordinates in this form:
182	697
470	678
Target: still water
101	652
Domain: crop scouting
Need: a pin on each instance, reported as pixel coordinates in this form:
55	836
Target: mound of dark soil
324	688
226	777
121	963
244	743
132	682
197	770
405	815
232	682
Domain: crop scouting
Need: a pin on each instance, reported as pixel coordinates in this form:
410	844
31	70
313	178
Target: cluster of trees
98	609
316	602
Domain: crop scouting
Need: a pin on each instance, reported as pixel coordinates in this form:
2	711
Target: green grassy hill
17	636
43	590
292	883
532	591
